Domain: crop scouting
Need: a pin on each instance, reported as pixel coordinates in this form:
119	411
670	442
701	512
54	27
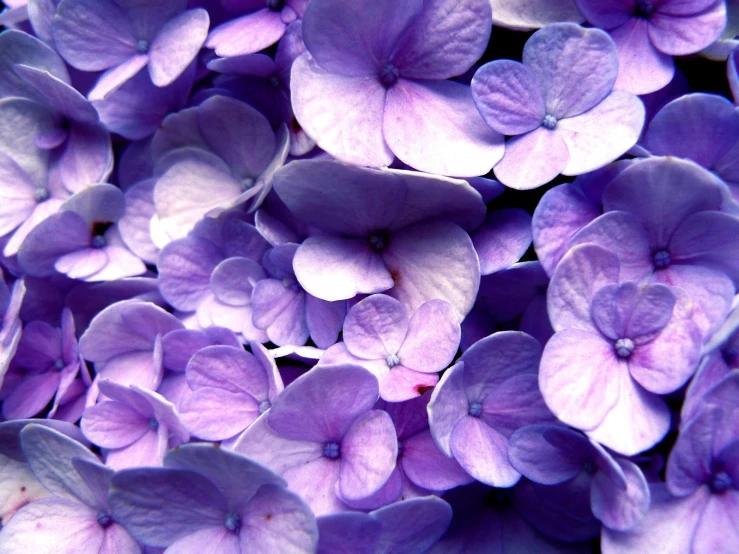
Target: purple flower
696	510
551	454
206	496
123	38
10	325
479	403
81	240
373	85
662	220
125	343
230	389
615	348
259	28
324	437
46	365
383	230
556	105
648	33
210	274
213	158
287	313
77	518
404	353
136	426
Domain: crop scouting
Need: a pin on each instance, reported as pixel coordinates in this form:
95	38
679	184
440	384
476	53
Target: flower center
41	195
720	482
232	521
247	183
549	122
290	283
643	8
275	5
378	241
264	405
392	360
475	409
624	347
389	75
142	46
589	467
153	424
661	259
99	228
59	364
331	450
104	519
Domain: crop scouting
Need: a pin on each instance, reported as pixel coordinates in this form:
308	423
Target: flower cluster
332	276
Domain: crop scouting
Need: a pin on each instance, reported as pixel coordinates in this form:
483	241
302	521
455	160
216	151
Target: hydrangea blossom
395	69
555	104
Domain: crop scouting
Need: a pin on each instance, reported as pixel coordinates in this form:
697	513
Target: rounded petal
433	337
216	414
447	406
532	159
508	97
444	40
342	114
375	327
441	249
575	67
533	14
679	34
246	34
322	404
621	113
580	376
333	268
434	126
483	452
176	45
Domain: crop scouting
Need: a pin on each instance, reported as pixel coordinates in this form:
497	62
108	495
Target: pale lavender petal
447	406
247	34
675	34
176	45
113	424
233	280
434	126
642	68
324	320
533	14
432	339
428	467
400	383
717	529
368	453
483	452
375	327
548	454
441	249
118	75
185	268
617	509
532	159
342	114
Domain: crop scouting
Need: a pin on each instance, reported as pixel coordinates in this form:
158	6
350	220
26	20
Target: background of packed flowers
369	276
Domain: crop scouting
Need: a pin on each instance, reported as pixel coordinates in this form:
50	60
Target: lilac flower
483	399
377	227
69	130
260	27
77	518
136	426
205	496
45	367
81	240
122	38
124	342
696	510
662	221
230	389
211	274
404	353
551	454
524	15
287	313
703	128
615	348
234	157
323	435
395	67
556	104
409	527
648	33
